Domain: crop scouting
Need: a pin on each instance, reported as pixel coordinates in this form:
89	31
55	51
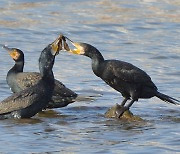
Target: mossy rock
128	115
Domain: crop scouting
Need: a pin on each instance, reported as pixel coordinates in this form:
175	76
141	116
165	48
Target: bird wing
18	101
130	73
61	90
27	79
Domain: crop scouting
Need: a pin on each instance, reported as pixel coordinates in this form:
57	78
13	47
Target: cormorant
19	80
132	82
28	102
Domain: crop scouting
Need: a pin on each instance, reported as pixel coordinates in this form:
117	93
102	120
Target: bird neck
97	59
46	62
48	76
18	67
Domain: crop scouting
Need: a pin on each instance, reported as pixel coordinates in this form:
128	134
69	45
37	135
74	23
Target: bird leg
124	101
124	108
130	104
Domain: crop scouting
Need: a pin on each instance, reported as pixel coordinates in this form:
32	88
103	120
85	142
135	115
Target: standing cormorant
19	80
132	82
28	102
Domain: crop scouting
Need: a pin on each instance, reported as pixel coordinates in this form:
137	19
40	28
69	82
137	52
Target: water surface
142	32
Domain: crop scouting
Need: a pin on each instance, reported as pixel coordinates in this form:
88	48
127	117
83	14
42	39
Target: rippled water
143	32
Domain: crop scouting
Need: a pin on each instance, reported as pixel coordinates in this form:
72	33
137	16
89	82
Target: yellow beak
77	49
77	46
12	52
57	45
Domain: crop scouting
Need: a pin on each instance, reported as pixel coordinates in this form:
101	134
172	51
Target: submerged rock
128	115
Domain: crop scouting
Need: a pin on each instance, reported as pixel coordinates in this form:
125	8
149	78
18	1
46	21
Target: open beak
56	46
78	49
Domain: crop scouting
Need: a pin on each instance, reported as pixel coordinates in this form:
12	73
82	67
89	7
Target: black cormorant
19	80
132	82
28	102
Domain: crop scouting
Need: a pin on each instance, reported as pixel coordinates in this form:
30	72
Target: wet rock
128	115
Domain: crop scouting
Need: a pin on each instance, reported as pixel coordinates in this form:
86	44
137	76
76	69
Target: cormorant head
47	56
16	54
81	48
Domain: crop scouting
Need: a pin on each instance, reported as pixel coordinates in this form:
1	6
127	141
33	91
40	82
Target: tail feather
167	98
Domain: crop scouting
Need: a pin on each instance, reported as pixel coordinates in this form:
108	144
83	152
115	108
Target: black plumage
132	82
28	102
19	80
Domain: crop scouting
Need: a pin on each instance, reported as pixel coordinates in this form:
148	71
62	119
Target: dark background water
143	32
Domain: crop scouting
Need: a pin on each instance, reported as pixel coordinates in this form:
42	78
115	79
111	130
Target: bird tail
167	98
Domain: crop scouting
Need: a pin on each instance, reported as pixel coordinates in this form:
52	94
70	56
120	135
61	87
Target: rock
128	115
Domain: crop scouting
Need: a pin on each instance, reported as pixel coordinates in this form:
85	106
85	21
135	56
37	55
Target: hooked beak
56	45
12	52
78	48
7	49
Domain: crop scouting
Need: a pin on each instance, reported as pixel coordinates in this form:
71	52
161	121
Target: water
143	32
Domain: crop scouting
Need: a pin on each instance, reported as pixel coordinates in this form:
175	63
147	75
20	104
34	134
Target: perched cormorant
28	102
132	82
19	80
